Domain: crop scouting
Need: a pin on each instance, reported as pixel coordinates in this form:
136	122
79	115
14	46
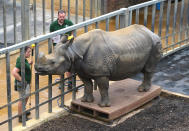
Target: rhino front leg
103	85
146	84
88	90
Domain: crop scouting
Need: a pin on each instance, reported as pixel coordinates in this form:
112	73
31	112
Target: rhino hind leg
150	66
88	90
146	84
103	86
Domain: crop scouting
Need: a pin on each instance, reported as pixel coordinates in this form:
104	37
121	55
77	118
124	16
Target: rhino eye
52	61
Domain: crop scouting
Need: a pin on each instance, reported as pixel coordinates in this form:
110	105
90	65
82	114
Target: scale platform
124	98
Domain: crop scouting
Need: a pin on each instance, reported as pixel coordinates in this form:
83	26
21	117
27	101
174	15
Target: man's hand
31	62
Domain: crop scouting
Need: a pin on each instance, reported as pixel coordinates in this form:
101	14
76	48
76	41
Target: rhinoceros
102	56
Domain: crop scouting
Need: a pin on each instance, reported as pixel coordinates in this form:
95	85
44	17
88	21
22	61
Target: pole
33	45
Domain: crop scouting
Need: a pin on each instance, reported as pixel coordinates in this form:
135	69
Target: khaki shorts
26	92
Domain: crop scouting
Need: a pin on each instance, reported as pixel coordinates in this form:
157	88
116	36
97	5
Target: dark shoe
20	119
28	113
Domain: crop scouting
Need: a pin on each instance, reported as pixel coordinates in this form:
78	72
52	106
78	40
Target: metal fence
33	17
170	21
167	18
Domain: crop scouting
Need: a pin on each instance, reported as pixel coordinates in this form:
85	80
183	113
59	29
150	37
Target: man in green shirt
58	24
23	91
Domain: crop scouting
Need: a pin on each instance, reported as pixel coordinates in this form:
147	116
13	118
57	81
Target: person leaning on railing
25	91
58	24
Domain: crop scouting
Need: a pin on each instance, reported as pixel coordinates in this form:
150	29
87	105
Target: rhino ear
71	40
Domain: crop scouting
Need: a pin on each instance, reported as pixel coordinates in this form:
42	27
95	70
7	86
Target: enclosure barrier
32	13
174	37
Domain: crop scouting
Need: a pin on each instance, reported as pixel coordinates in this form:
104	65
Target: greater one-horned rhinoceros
105	56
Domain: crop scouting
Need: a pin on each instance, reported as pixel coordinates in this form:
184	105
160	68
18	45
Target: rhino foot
143	88
104	104
147	88
87	98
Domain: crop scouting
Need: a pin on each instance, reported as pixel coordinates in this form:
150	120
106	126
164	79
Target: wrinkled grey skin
105	56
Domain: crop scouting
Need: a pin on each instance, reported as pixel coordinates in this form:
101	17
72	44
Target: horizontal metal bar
177	32
62	31
66	92
5	121
174	44
13	117
175	50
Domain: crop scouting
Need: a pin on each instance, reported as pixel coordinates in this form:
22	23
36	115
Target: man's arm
51	28
15	73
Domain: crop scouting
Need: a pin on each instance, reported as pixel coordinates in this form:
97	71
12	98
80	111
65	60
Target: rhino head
57	63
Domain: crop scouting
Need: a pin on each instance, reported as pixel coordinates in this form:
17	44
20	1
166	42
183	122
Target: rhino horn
41	58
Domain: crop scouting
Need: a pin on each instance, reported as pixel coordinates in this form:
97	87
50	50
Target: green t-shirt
56	26
27	69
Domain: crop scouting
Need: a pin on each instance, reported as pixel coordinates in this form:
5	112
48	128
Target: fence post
68	9
43	10
76	11
25	19
50	93
52	10
22	57
62	91
83	10
124	18
4	23
36	84
50	80
14	21
49	45
91	9
74	86
9	90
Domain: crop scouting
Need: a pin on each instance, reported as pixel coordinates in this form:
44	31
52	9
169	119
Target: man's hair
61	12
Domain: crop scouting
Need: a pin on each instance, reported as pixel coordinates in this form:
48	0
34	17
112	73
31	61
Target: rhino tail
156	54
157	49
